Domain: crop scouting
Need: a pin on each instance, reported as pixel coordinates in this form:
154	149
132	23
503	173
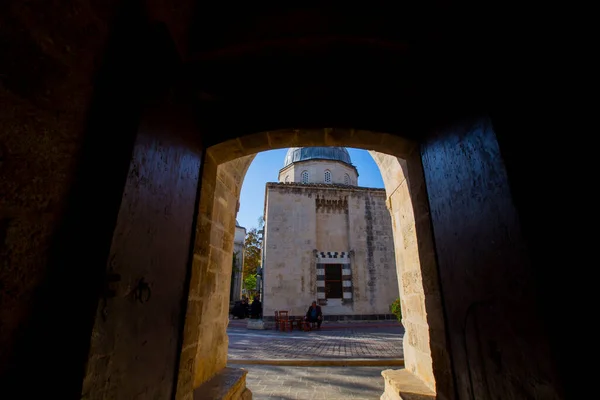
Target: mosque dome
296	154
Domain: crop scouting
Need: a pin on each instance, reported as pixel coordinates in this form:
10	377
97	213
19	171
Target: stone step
401	384
228	384
255	324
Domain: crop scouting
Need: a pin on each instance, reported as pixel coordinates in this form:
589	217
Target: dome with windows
318	165
296	154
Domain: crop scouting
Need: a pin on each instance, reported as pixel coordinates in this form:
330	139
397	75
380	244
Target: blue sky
265	168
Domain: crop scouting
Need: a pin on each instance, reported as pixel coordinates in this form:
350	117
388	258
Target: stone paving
343	343
333	342
314	383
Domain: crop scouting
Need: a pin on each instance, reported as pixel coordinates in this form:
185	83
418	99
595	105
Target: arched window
327	176
304	176
346	179
287	178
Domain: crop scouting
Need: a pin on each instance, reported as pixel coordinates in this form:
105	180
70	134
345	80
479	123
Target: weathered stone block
403	385
281	139
228	384
254	143
226	151
257	324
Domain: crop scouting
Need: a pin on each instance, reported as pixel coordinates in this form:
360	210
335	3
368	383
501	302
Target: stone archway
204	350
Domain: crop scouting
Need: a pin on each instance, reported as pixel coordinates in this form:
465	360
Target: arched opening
305	177
327	176
400	165
398	88
355	335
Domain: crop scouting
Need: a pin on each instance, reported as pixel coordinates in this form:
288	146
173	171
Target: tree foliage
252	246
250	285
252	257
396	309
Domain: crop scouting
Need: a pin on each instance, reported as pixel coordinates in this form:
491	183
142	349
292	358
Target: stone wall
204	350
288	174
135	342
74	79
332	225
316	172
289	241
303	218
371	238
497	338
238	250
425	348
39	150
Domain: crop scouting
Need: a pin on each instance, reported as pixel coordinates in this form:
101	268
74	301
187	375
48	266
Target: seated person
314	314
240	310
256	308
246	307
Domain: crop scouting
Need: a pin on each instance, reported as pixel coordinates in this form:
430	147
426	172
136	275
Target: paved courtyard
314	383
336	342
349	342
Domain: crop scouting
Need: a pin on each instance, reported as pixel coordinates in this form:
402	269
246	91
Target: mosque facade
326	239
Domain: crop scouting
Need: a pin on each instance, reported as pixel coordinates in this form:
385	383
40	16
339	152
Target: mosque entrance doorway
333	281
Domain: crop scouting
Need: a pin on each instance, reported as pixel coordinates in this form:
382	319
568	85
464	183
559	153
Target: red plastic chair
285	324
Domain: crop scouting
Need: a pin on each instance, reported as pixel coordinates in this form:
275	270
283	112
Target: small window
287	178
327	177
346	179
305	177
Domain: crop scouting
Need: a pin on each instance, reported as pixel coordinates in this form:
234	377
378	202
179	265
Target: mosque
327	239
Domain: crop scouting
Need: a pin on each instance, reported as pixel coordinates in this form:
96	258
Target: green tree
252	247
250	285
396	309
